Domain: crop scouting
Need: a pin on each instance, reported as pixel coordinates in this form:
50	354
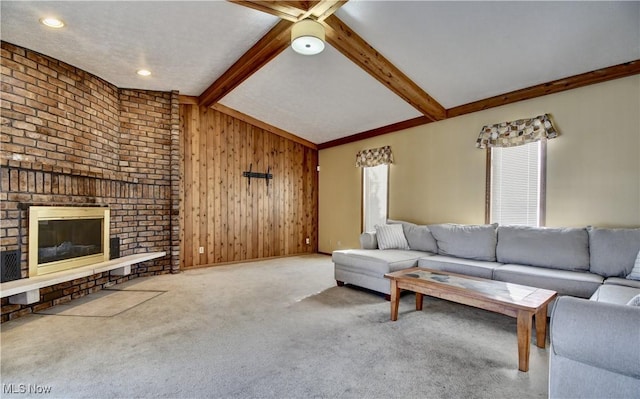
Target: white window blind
516	184
374	196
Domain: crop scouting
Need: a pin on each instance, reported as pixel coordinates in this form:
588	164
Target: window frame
543	184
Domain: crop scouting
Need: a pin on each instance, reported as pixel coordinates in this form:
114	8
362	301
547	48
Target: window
375	185
517	184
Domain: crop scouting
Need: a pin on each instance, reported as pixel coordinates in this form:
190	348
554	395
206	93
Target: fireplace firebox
64	237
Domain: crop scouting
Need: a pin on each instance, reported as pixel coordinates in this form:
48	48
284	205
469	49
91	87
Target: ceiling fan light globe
307	45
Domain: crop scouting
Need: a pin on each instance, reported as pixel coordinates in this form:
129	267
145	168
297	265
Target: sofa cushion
617	294
419	237
555	248
564	282
622	281
469	267
391	236
613	251
466	241
375	262
635	272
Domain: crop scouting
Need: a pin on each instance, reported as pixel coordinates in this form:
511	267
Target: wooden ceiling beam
345	40
267	48
323	9
294	11
280	9
394	127
572	82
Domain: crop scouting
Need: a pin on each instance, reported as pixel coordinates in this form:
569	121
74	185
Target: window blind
515	184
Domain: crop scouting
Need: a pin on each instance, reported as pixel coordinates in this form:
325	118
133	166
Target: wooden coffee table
513	300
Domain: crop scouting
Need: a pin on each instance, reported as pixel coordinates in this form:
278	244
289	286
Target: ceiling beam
345	40
323	9
294	11
280	9
267	48
572	82
394	127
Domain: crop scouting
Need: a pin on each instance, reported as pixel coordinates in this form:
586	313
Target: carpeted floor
271	329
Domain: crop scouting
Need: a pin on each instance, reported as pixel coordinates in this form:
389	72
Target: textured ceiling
458	52
186	45
309	96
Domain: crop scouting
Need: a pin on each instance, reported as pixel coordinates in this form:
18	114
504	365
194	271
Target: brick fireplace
70	138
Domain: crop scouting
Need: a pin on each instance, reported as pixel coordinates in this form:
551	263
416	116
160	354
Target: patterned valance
511	134
374	157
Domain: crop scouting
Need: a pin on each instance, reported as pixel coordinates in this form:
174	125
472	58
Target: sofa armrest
368	241
598	334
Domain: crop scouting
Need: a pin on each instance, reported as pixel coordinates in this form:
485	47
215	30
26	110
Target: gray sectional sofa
595	337
571	261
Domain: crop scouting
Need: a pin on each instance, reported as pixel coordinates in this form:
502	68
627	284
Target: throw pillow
635	272
391	236
418	237
635	301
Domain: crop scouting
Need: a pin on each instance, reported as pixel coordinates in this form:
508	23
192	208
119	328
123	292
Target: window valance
522	131
374	157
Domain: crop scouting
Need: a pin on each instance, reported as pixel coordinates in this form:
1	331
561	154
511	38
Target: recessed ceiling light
52	22
143	72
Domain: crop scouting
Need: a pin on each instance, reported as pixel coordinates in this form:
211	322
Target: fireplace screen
63	238
66	239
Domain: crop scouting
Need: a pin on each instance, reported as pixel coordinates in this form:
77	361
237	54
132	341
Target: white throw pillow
391	236
635	272
635	301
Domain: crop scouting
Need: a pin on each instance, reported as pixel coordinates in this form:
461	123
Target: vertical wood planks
231	219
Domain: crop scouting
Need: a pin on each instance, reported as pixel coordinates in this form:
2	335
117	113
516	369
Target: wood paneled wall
232	219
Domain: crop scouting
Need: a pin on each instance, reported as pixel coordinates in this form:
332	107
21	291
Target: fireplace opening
66	239
63	238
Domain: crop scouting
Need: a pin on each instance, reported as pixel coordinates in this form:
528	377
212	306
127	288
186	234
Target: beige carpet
104	303
278	328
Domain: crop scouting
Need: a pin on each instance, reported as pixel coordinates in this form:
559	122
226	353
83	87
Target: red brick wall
71	137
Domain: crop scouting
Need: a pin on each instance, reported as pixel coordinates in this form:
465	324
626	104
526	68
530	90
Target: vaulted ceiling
388	64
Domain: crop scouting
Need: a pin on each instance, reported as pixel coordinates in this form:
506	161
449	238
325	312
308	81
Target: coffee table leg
541	327
418	301
524	339
395	296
